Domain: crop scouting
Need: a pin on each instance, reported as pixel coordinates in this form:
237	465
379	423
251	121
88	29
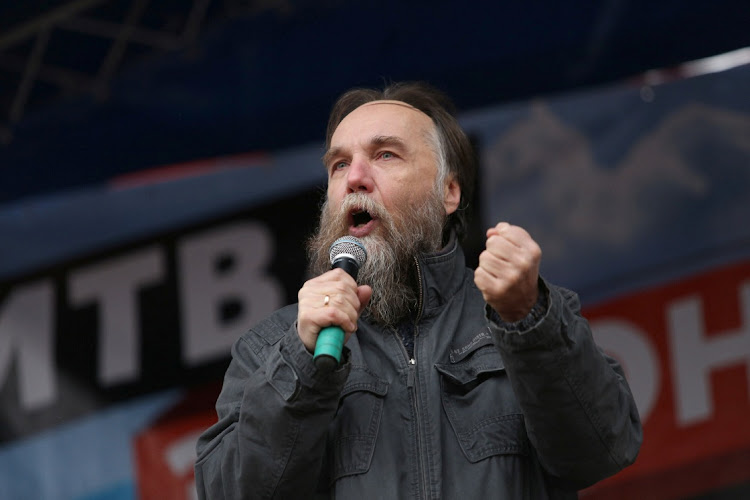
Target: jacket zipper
412	382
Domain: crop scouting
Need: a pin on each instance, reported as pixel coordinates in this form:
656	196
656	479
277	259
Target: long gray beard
391	250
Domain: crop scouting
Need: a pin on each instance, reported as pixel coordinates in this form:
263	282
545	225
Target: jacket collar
442	275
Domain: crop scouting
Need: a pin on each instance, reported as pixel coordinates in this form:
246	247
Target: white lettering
180	457
220	267
632	349
26	327
114	285
695	356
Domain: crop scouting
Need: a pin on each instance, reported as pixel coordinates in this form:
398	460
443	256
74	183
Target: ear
451	195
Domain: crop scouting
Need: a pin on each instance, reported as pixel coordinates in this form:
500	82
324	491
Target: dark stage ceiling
91	89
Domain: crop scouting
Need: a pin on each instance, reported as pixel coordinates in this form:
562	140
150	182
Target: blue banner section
91	458
626	186
45	230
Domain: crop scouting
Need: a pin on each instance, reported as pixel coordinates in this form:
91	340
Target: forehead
382	118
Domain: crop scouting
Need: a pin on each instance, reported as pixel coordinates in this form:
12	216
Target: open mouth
360	218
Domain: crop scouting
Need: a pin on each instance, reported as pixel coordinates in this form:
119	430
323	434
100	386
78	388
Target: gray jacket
480	411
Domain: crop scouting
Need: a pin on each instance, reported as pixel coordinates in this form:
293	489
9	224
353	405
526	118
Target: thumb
364	292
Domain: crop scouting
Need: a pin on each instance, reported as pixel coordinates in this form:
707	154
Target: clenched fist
508	271
333	298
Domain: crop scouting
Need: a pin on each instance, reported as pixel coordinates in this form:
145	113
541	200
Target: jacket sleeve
273	415
579	412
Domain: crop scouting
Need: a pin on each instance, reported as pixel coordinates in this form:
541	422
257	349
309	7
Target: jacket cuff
303	364
535	316
541	328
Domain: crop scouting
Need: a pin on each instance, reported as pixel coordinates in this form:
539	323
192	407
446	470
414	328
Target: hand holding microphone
330	304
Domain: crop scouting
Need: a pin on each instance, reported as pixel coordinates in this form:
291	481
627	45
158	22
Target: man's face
382	149
382	171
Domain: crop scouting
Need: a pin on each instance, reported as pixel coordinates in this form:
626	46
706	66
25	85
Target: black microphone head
348	247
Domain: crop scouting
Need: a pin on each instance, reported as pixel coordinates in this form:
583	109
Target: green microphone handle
328	348
347	253
331	338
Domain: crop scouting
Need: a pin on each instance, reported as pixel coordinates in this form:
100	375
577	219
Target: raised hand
508	271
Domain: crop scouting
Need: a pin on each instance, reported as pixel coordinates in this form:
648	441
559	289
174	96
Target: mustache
361	202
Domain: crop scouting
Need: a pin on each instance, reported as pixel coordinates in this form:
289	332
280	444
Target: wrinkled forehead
390	104
391	114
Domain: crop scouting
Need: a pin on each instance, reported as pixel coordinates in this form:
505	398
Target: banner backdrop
119	303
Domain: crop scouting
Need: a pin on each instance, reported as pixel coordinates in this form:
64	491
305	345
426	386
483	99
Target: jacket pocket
354	430
481	407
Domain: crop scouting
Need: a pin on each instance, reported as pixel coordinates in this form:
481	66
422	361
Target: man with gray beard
389	268
453	383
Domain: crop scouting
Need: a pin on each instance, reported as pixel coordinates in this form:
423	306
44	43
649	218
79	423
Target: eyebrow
387	140
378	140
332	152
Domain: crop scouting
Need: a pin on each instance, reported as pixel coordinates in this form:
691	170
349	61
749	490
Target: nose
359	176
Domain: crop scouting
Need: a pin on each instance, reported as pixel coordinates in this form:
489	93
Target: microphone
347	253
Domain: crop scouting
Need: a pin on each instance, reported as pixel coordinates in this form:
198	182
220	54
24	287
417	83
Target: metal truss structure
78	46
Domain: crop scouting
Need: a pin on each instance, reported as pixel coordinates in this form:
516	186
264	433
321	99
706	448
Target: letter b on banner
224	269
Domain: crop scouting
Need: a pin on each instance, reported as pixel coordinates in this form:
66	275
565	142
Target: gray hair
452	147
